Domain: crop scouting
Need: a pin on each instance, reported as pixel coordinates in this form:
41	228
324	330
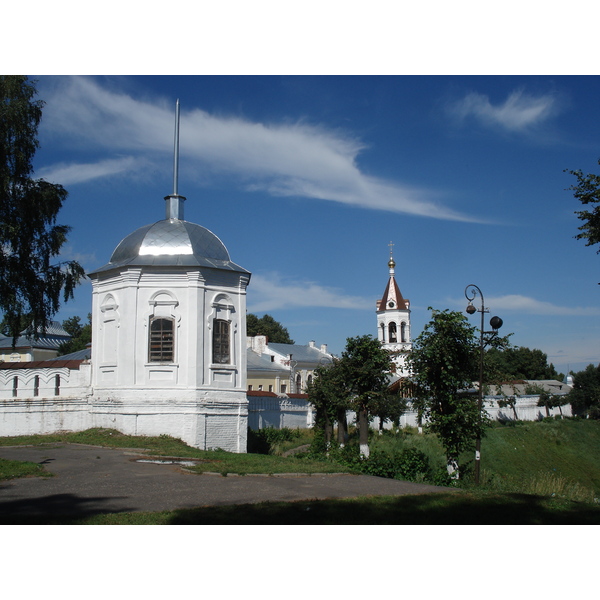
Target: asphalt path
91	480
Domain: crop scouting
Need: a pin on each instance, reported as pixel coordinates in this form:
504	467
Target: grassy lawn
12	469
566	451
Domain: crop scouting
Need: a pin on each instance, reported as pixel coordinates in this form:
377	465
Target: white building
283	368
26	348
168	329
393	322
168	345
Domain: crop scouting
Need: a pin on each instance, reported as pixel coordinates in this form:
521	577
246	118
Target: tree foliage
31	284
81	335
585	395
520	363
366	365
444	363
357	381
329	394
267	325
587	191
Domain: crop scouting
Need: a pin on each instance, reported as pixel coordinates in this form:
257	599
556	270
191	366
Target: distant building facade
26	348
283	368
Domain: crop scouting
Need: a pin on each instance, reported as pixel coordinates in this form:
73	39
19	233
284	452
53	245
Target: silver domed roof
172	242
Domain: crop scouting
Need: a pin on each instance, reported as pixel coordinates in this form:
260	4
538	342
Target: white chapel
168	334
393	321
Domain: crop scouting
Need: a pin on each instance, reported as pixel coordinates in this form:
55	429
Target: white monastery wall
198	422
268	411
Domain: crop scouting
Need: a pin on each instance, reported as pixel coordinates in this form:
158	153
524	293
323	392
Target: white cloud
519	112
271	292
528	305
281	158
68	174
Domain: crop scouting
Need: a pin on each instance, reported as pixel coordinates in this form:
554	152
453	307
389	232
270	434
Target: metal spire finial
175	201
176	151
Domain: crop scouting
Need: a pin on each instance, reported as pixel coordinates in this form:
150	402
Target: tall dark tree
520	363
366	366
328	393
81	335
389	406
31	283
444	360
585	395
268	326
587	191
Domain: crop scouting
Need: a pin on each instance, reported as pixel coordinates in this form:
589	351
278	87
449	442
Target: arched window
403	331
383	333
298	384
309	379
392	332
161	343
221	353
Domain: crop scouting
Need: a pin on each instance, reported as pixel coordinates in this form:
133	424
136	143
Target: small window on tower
403	332
393	334
161	341
221	342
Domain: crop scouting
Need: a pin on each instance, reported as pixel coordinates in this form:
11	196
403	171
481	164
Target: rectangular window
36	385
15	386
57	385
221	342
161	341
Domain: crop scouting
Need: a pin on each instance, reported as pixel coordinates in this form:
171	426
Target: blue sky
307	179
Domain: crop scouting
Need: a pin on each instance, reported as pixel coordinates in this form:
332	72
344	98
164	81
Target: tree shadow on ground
434	509
57	509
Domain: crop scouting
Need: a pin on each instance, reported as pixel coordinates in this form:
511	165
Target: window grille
161	341
221	354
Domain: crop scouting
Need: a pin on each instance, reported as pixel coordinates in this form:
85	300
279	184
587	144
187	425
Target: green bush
264	441
407	464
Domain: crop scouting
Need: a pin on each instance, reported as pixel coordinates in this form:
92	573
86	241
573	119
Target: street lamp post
495	322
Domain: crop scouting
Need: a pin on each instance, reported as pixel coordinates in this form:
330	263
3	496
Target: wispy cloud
272	292
519	112
68	174
528	305
283	159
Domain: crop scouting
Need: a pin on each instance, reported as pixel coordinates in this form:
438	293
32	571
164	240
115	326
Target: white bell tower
393	321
